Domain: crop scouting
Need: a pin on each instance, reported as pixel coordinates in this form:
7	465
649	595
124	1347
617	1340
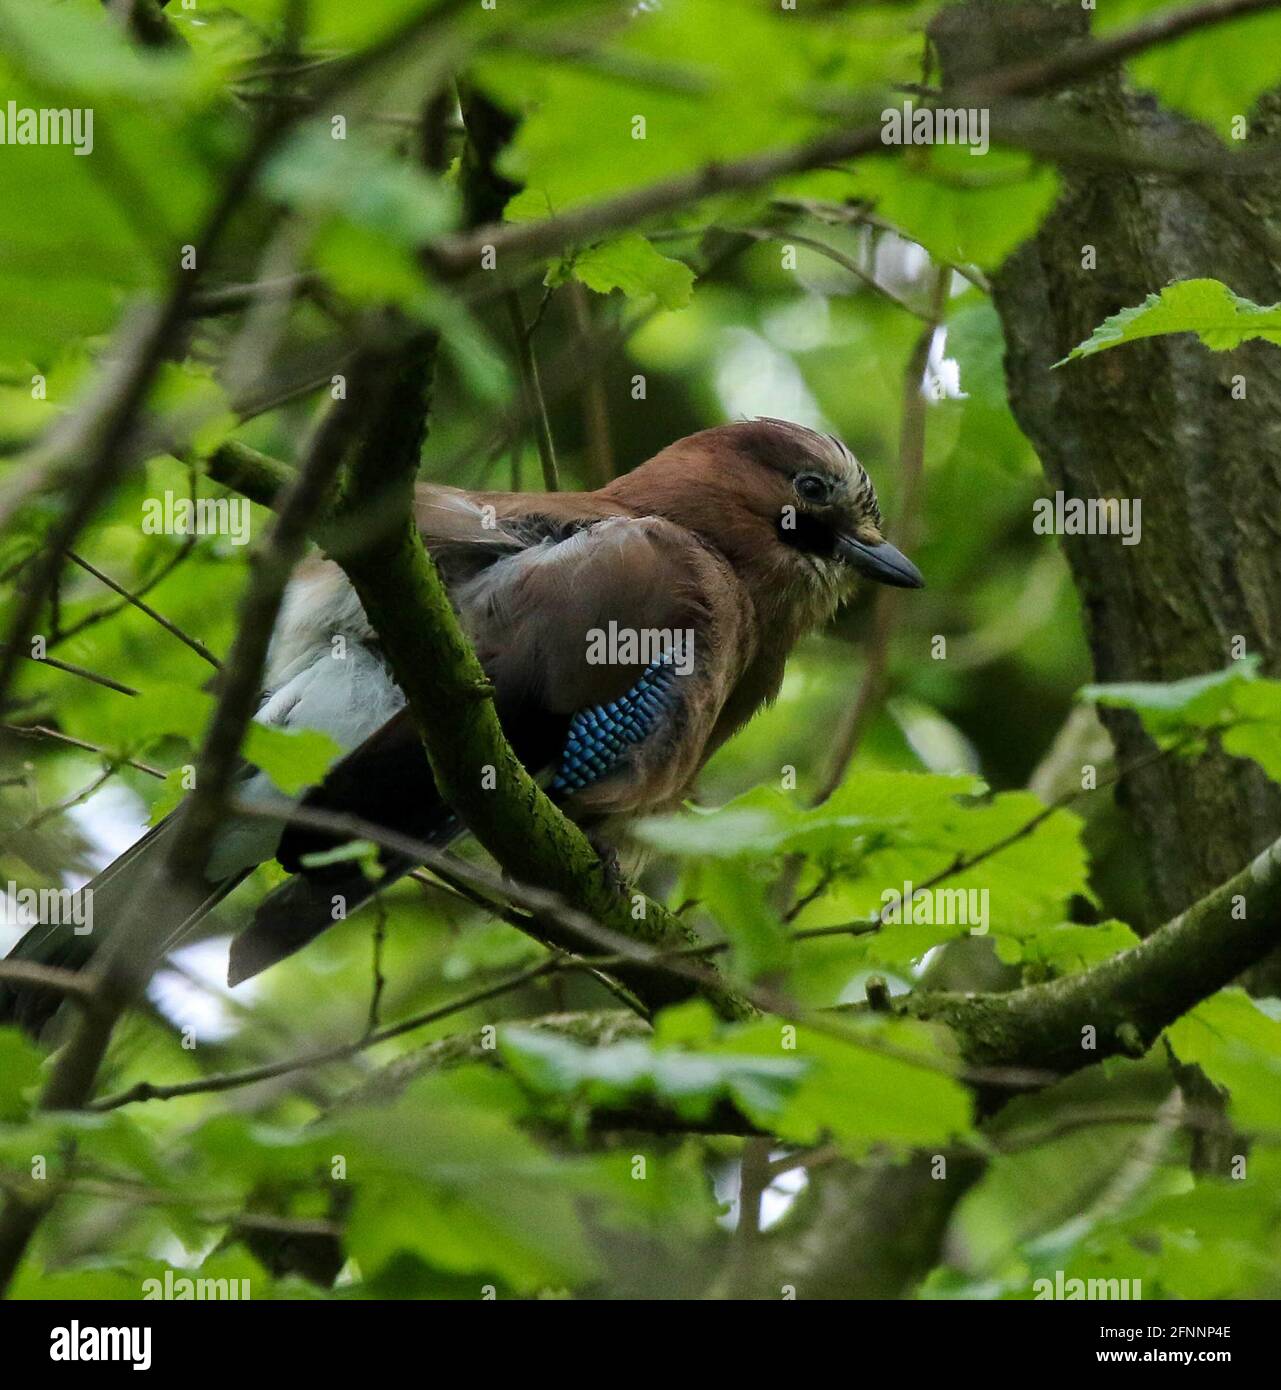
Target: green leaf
362	182
630	263
368	266
80	230
769	822
960	208
1214	75
1238	1047
362	852
1065	946
1216	1238
1195	700
740	900
1242	706
988	431
488	946
853	1089
131	726
881	831
691	1082
446	1175
1258	734
19	1073
292	758
77	50
1207	308
712	80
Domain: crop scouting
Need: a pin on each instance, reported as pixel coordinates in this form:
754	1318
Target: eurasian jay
628	632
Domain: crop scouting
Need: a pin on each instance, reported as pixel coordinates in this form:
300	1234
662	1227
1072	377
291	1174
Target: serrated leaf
632	264
1243	707
881	831
1208	308
1201	700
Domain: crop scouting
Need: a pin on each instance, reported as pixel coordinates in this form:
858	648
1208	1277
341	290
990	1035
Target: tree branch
250	1076
1128	999
137	602
43	731
461	254
1082	59
532	391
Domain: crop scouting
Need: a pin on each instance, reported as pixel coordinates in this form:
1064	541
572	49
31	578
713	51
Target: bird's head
793	509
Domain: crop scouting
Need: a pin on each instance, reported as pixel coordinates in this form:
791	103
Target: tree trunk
1157	422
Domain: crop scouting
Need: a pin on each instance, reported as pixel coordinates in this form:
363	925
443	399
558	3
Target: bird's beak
882	562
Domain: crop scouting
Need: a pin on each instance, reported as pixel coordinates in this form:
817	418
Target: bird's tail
97	909
314	899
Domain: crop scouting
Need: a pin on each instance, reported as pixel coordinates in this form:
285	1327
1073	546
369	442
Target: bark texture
1155	421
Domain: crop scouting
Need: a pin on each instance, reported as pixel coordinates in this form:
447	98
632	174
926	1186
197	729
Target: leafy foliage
526	1136
1242	708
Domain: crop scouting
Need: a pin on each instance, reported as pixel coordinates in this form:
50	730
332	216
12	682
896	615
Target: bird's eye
811	488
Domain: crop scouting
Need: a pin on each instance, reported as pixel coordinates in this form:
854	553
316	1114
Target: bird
626	633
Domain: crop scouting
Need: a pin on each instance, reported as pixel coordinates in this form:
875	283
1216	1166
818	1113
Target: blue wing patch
599	737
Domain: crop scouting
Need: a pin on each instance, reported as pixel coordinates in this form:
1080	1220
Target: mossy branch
1120	1006
1125	1001
256	476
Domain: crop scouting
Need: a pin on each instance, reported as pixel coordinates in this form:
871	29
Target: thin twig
911	470
31	974
962	863
228	1081
532	392
837	257
169	626
109	428
461	254
575	931
1082	59
43	731
595	406
238	697
230	299
118	686
60	807
64	634
380	980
